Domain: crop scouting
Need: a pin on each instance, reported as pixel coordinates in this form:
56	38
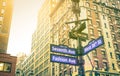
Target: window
113	37
99	33
53	71
89	13
118	56
4	3
2	11
95	7
112	28
108	11
97	15
46	62
104	17
98	24
87	4
89	21
60	74
60	67
5	67
117	21
46	72
107	35
1	18
115	46
113	5
118	32
36	70
113	66
41	73
95	52
65	66
65	73
118	29
105	66
102	9
105	25
109	45
103	54
110	19
96	65
71	71
92	31
1	66
118	1
111	55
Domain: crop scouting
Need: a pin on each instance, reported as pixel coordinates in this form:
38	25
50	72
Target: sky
24	22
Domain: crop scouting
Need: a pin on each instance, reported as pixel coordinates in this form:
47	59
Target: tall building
6	7
7	62
25	65
52	29
20	58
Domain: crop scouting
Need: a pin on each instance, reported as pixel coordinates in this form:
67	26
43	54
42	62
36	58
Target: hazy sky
23	24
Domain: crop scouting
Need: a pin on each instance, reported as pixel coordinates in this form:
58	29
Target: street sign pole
80	58
76	11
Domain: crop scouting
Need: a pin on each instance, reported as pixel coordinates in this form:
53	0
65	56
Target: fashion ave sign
63	59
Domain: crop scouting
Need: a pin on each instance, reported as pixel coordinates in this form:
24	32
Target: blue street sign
93	45
62	49
63	59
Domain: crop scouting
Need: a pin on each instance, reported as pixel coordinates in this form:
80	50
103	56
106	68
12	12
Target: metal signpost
78	60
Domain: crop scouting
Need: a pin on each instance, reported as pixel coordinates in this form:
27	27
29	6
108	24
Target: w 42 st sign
93	45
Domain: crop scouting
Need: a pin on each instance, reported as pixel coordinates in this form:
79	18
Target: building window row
5	67
103	52
105	65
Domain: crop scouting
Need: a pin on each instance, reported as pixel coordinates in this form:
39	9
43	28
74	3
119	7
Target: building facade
7	62
52	29
25	66
6	7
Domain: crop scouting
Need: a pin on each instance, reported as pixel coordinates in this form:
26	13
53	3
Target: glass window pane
7	67
1	66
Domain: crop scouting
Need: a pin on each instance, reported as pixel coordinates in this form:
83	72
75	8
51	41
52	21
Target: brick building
7	65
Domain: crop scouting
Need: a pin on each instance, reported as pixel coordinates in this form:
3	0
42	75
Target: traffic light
97	73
